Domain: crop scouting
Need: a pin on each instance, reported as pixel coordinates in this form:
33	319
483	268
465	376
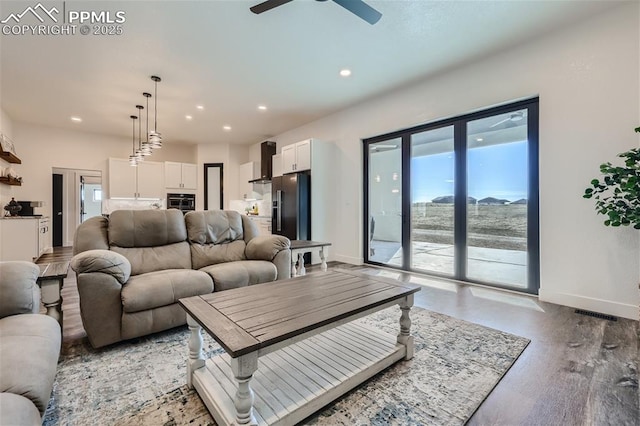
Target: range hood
267	150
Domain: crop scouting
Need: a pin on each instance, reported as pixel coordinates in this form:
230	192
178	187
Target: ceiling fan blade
361	9
500	122
267	5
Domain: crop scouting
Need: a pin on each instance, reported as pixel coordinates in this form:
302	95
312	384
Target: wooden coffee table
301	330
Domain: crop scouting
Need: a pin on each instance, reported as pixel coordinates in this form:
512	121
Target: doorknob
59	213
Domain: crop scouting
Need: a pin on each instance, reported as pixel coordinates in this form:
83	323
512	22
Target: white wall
587	77
6	128
43	148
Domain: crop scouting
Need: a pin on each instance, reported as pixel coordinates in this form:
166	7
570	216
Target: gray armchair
29	346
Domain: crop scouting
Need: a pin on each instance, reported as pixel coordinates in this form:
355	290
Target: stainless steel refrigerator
291	197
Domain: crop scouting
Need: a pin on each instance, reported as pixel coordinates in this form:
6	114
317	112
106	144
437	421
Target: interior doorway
213	184
76	196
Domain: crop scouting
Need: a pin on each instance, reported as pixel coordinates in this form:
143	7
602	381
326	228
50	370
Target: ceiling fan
357	7
512	119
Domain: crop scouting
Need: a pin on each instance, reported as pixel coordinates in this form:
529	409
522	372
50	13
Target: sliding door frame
459	124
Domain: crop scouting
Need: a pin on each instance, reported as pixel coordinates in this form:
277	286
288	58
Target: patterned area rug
142	382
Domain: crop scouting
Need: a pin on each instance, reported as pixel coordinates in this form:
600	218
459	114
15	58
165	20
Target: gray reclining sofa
133	267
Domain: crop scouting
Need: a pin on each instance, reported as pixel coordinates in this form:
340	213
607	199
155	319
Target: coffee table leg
51	299
243	368
323	265
405	337
301	270
196	360
294	257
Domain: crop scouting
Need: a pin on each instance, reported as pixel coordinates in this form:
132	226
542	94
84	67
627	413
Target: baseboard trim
624	310
348	259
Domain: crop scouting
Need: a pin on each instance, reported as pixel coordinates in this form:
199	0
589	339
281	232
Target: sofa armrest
274	248
104	261
266	247
19	291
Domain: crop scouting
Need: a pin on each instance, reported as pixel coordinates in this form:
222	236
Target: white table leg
323	265
301	270
405	337
243	368
294	257
196	360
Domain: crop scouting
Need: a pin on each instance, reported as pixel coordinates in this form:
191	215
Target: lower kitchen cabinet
24	238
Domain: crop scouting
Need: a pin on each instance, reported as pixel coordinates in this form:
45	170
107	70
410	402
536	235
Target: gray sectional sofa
133	267
29	346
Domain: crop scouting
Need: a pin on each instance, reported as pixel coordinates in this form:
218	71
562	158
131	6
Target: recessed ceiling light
479	139
226	128
76	119
262	107
345	72
200	107
188	117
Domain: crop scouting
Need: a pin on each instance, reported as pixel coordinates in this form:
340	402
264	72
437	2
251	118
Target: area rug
142	382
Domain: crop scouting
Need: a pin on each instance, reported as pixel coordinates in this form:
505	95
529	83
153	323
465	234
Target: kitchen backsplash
257	207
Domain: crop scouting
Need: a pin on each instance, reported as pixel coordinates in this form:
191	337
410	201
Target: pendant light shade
155	138
133	159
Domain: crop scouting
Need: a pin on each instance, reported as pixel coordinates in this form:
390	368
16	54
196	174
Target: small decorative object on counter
13	207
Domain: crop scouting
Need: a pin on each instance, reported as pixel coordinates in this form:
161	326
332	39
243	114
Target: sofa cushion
213	226
162	288
29	349
146	228
18	410
20	292
211	254
216	236
150	239
241	273
150	259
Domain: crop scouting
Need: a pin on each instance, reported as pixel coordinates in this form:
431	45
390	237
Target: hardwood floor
577	370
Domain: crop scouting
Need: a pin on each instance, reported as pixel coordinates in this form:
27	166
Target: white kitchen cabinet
297	157
276	165
248	171
263	224
180	175
143	181
24	238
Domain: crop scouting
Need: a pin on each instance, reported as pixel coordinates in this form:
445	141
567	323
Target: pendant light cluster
153	139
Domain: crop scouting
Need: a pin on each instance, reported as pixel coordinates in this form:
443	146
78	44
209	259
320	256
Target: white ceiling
220	55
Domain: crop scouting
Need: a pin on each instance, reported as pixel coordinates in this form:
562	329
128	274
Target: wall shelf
10	157
10	181
7	150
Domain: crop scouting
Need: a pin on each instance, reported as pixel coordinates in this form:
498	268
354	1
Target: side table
299	248
51	280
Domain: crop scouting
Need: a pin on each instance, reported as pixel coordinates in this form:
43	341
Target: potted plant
617	194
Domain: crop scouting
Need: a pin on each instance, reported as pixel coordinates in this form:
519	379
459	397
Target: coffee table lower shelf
296	381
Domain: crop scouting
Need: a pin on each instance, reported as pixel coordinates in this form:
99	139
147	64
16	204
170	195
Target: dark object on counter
13	207
27	208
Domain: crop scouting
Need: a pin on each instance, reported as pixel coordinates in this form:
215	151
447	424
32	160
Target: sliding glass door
458	198
432	188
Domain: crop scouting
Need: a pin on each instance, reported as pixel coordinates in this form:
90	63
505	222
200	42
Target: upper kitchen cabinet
180	175
276	165
143	181
297	157
248	171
